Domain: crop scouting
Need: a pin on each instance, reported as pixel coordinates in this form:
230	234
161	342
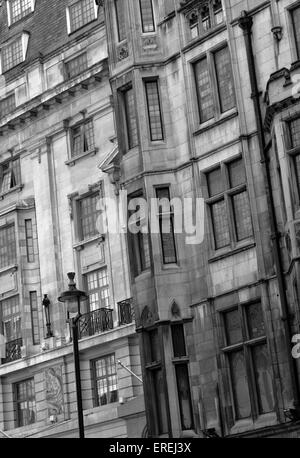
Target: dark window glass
7	105
220	224
76	66
215	182
166	226
233	327
240	384
160	401
178	339
10	175
139	243
131	122
154	346
25	402
296	24
82	138
255	321
34	318
147	16
81	13
224	79
184	396
89	215
11	318
242	216
154	111
8	249
237	173
295	132
121	23
263	378
29	240
105	380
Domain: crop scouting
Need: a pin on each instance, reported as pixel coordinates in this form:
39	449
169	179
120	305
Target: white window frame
24	41
68	18
8	9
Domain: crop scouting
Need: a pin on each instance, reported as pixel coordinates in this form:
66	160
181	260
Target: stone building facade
57	128
206	107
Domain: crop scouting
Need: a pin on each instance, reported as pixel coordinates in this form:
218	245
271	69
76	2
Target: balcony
13	350
95	322
125	312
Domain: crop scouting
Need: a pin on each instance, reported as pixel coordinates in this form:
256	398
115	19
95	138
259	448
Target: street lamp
46	304
73	297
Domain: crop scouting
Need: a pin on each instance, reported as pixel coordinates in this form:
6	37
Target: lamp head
73	296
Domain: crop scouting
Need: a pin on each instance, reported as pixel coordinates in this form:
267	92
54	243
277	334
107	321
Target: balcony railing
95	322
125	312
13	350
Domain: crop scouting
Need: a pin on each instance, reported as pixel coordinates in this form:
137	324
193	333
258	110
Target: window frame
82	125
11	262
293	28
292	153
15	174
17	401
34	311
11	96
158	92
17	316
246	346
127	127
70	28
93	362
227	194
160	216
201	32
23	16
152	16
67	63
98	289
30	254
80	231
120	39
210	57
24	39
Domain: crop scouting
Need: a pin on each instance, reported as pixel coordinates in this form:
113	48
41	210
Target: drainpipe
246	22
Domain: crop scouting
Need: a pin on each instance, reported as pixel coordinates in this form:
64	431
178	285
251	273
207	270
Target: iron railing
95	322
13	350
125	312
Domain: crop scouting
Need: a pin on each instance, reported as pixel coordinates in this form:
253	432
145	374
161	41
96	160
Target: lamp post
73	297
46	304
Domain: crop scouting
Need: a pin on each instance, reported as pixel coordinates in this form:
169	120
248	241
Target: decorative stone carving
123	52
150	44
54	390
175	310
147	317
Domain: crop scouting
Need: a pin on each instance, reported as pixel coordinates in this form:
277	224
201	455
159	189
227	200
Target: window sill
248	425
17	188
82	27
173	266
80	245
143	274
74	159
215	122
231	251
13	268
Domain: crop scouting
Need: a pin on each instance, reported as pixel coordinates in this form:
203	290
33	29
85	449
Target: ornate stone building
204	103
56	129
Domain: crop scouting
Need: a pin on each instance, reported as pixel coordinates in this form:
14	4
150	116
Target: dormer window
14	52
80	13
208	15
17	9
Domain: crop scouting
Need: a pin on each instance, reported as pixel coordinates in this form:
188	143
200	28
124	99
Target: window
229	204
98	289
166	226
7	105
17	9
214	98
82	138
154	110
10	175
80	14
120	19
34	318
14	52
88	215
296	27
182	376
29	240
105	380
249	362
203	18
24	393
76	66
11	318
130	118
147	17
293	147
8	249
139	242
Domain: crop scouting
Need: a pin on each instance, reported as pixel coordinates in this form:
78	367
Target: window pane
7	105
240	384
297	170
131	123
193	19
220	224
215	182
233	327
154	346
225	80
237	173
295	132
29	240
160	401
121	24
296	23
242	216
105	382
263	378
255	321
76	66
34	318
204	90
12	54
218	12
89	215
154	110
98	289
19	9
25	403
178	340
184	396
147	15
81	13
8	253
